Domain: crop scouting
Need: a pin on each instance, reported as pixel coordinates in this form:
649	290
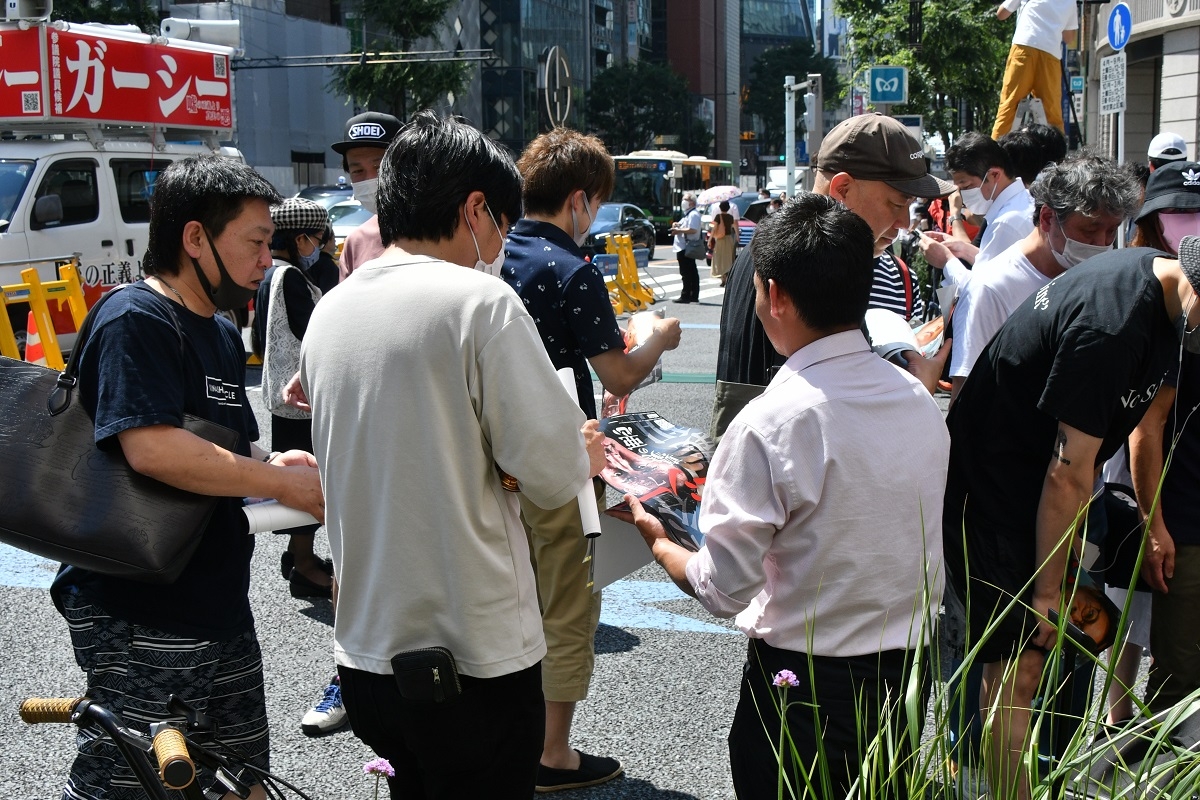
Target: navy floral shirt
566	297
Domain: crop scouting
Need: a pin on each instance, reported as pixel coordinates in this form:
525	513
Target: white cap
1168	147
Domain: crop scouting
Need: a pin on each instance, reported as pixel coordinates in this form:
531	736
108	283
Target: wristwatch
955	218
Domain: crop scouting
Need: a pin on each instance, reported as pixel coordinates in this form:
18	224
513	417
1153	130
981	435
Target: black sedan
619	218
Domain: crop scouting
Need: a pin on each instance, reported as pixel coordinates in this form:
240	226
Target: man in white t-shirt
1080	204
1034	61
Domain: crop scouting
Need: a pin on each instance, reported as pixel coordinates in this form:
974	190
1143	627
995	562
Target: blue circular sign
1120	25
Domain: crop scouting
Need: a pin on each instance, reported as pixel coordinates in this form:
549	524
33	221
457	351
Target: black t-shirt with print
1181	512
133	373
1089	349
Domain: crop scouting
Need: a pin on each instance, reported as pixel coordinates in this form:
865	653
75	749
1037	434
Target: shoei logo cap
872	147
371	129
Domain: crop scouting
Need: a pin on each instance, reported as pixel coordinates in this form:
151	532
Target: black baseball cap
872	147
372	129
1174	185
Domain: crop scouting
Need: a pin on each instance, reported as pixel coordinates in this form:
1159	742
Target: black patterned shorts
132	670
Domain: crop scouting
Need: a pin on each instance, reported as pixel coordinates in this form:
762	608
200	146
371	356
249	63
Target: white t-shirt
986	302
443	383
1040	23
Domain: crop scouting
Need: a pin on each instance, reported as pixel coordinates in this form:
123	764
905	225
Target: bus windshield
644	183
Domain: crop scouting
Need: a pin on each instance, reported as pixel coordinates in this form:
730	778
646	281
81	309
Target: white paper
271	515
588	512
620	551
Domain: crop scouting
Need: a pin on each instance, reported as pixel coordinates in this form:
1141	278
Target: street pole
789	121
816	131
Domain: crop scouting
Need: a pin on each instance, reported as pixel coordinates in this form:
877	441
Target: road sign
888	84
1120	25
1112	84
1076	83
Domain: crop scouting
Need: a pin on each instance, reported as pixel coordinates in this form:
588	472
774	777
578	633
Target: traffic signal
810	112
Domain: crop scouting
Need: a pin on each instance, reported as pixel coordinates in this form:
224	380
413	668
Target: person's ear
475	210
780	304
840	187
193	238
1046	219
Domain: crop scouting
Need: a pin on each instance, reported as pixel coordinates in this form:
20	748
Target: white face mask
364	192
1074	252
974	200
492	268
580	234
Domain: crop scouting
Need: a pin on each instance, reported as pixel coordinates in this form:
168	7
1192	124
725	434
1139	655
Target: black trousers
485	744
691	277
837	712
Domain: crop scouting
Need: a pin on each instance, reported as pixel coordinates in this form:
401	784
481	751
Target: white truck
89	116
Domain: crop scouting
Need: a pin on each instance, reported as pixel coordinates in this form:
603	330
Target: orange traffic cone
34	353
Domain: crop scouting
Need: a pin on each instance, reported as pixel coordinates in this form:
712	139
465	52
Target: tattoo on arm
1060	447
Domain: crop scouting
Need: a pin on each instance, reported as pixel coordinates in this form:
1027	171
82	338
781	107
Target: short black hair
974	153
428	171
211	190
1033	148
821	255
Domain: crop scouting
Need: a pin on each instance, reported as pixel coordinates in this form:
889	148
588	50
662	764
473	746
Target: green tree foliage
631	103
960	60
764	91
143	13
398	25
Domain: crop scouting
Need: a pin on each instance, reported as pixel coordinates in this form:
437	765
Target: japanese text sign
112	80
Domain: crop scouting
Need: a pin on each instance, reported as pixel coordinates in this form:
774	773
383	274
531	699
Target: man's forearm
674	559
1062	507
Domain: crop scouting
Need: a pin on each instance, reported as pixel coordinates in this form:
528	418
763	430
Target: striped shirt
888	289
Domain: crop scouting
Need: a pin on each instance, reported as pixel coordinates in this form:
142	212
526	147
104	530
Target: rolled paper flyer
271	515
589	513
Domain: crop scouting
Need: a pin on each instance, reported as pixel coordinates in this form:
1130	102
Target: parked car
619	218
345	217
327	196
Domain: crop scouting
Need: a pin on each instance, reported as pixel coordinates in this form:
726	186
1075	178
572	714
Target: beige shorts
570	610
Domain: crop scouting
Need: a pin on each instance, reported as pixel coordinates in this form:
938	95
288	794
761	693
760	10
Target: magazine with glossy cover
663	465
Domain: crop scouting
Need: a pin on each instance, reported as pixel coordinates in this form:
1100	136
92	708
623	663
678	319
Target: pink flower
785	677
379	766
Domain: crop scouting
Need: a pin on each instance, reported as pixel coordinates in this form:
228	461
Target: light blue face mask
306	262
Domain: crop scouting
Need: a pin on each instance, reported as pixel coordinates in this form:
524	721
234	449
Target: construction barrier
38	294
625	289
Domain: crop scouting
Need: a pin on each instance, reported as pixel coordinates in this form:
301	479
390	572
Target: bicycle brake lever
197	721
233	783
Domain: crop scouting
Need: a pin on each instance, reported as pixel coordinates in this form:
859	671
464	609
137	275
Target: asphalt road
661	700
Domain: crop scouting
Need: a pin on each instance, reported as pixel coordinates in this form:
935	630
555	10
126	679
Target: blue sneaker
328	715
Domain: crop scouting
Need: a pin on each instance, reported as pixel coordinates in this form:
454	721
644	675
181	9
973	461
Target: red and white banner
112	79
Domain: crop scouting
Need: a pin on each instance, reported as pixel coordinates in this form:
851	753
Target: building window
308	168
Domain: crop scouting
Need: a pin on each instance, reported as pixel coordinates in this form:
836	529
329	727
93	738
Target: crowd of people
840	508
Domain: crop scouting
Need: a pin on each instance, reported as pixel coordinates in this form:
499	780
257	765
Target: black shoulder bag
63	498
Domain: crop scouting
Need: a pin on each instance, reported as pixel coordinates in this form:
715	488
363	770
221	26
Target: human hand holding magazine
663	465
639	329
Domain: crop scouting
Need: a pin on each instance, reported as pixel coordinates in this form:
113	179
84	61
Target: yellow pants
1029	70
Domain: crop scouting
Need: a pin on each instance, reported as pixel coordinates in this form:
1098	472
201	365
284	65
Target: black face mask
229	295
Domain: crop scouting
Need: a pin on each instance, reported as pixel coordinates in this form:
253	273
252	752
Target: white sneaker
328	715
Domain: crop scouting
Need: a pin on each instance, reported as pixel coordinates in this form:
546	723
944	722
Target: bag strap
68	379
908	287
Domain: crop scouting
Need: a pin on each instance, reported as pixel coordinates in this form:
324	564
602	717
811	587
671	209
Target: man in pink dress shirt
821	518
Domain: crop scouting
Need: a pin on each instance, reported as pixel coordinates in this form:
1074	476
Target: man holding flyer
567	176
820	517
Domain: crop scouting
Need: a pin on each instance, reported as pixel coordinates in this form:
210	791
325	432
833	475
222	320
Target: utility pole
789	135
815	104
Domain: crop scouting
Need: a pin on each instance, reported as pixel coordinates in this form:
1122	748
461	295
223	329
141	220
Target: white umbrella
718	193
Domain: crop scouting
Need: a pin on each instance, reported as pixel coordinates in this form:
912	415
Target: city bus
655	180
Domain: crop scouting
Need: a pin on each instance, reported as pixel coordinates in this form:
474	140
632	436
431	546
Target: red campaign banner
21	83
128	82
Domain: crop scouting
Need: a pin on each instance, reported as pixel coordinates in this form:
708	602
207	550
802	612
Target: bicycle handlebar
35	710
82	712
175	766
